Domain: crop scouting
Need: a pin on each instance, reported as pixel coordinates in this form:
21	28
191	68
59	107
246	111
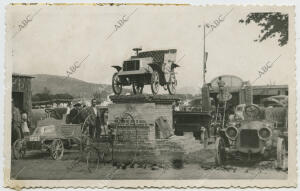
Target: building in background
242	91
21	92
264	91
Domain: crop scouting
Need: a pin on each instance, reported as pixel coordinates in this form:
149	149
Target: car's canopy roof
157	55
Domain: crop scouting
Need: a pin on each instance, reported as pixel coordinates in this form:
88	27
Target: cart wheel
18	149
220	151
172	84
137	88
116	84
88	159
204	137
57	149
281	152
155	82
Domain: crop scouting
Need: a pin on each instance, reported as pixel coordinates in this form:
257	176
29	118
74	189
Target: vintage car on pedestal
149	67
51	138
251	137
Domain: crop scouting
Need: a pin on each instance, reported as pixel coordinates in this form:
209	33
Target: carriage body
155	68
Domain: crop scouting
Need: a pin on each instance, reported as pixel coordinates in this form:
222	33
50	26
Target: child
25	124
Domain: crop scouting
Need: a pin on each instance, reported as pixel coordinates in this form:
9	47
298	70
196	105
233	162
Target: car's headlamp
231	132
264	133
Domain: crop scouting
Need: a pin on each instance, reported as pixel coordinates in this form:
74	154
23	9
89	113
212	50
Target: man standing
15	123
74	116
25	124
221	85
68	113
176	106
94	120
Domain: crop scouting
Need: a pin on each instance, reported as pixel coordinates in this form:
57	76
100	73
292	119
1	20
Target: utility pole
204	54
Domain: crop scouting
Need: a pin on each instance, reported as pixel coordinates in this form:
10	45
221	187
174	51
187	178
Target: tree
46	90
63	96
42	97
98	96
47	97
273	23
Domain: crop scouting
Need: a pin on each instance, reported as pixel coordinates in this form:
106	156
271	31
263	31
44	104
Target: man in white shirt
94	122
176	106
25	124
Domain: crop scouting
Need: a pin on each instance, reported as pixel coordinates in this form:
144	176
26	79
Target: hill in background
188	90
59	84
78	88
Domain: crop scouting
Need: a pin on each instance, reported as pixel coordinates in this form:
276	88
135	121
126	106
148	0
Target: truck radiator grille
249	138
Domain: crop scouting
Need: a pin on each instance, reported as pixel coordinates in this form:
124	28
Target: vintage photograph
160	95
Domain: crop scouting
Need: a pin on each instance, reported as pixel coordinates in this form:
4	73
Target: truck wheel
172	84
116	84
281	152
19	150
57	149
155	82
137	88
220	152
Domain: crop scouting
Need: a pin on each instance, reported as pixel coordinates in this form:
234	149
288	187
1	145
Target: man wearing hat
94	120
221	85
74	114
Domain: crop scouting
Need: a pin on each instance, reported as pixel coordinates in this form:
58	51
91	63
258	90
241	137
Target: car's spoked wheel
220	152
281	152
137	88
18	149
57	149
172	84
116	84
155	82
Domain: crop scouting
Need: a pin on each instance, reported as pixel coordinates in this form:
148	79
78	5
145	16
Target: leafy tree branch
272	24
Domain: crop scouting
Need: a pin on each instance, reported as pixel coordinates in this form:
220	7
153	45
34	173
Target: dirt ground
39	165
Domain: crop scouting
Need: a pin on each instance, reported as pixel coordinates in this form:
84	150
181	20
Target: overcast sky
58	36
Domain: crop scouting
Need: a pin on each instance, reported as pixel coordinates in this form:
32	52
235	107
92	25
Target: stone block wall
136	140
139	133
154	152
144	115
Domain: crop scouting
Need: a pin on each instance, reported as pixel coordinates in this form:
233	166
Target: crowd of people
93	120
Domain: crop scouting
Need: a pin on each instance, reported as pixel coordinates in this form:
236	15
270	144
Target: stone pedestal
134	119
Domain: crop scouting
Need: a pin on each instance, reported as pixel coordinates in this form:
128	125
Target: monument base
143	127
163	152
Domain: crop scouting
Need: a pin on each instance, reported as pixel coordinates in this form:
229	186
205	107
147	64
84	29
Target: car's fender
118	68
173	65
